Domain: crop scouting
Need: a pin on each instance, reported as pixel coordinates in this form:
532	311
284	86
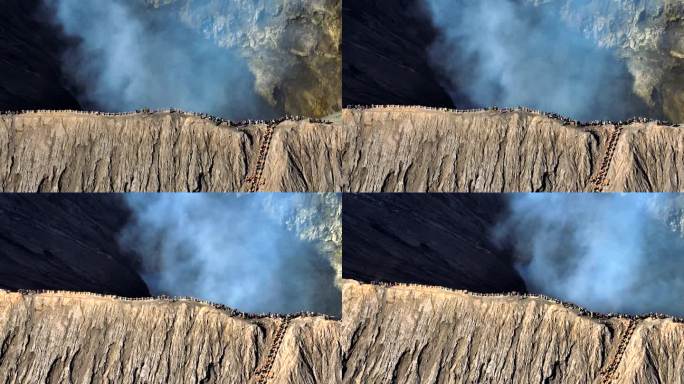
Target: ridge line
171	299
556	116
581	311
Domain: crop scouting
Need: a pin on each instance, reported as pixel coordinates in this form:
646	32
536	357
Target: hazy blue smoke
609	253
236	249
508	53
129	56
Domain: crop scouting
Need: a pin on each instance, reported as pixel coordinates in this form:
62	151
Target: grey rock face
321	223
407	334
64	337
647	34
389	149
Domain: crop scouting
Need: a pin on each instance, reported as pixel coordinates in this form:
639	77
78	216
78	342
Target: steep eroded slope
63	337
378	149
405	334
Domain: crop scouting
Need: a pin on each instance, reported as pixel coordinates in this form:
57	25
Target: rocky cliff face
63	337
162	152
397	334
405	334
647	34
389	149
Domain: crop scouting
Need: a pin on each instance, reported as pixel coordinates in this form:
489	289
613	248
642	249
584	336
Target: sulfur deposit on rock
293	47
383	148
406	334
62	337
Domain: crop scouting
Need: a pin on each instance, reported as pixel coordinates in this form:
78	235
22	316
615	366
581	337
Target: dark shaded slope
30	51
434	239
66	242
384	50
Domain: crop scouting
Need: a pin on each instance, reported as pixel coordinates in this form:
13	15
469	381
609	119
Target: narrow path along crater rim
174	299
368	149
581	311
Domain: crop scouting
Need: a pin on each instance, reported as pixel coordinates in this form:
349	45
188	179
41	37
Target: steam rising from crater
130	56
507	53
609	253
253	252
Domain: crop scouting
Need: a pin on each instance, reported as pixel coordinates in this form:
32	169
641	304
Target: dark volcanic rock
66	242
436	239
384	45
30	66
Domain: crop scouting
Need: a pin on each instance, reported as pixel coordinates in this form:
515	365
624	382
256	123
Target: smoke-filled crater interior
583	59
229	58
256	253
614	253
608	253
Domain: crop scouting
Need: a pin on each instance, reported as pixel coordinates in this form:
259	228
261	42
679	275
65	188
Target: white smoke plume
608	252
128	55
242	250
511	53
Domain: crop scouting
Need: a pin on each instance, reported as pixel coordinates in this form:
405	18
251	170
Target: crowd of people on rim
581	311
287	117
555	116
205	116
173	299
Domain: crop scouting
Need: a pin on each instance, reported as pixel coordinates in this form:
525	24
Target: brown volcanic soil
388	149
408	334
65	337
398	334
